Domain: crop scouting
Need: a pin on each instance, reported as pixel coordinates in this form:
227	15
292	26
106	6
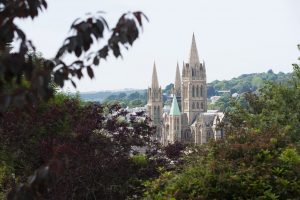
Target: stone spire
194	59
154	78
177	83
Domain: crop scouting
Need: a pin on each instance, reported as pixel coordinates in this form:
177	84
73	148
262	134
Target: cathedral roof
154	84
175	108
194	59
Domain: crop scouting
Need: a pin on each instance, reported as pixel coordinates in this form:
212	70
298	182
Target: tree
135	95
122	95
257	82
23	80
223	103
211	91
26	81
88	146
168	88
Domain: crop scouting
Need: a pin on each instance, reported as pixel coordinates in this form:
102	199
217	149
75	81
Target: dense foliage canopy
75	146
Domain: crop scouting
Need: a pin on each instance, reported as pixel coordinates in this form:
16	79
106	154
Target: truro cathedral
187	120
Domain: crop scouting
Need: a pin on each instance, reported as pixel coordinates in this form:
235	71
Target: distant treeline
103	96
131	100
246	82
241	84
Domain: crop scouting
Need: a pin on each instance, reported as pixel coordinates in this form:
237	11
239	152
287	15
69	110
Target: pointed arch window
201	72
201	68
154	114
193	91
193	105
197	91
198	105
201	91
174	124
167	129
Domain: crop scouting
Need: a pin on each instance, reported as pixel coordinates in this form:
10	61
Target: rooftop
174	108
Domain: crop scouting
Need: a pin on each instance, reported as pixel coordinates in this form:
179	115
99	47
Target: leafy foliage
23	79
168	88
135	99
89	149
69	139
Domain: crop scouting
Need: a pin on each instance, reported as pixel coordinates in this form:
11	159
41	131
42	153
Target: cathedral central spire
194	59
154	78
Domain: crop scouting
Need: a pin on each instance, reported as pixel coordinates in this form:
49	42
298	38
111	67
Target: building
187	120
214	99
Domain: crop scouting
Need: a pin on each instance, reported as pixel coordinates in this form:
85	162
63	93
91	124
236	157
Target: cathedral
187	120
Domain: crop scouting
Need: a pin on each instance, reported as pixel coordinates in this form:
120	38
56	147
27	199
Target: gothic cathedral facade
187	120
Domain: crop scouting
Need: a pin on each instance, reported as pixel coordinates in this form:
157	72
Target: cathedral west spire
155	103
154	84
194	58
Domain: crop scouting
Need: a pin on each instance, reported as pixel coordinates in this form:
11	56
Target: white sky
234	37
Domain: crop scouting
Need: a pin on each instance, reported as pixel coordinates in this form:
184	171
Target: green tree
135	95
257	82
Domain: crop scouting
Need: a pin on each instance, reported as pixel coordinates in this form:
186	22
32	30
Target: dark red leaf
90	71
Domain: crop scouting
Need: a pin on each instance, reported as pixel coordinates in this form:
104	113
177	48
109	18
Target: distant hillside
247	82
101	96
243	83
137	98
95	96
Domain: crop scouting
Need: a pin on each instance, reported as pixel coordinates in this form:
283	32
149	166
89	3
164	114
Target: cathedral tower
194	88
155	103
